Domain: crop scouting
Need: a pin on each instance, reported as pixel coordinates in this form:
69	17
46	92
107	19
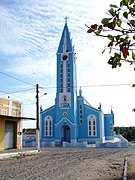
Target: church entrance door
65	133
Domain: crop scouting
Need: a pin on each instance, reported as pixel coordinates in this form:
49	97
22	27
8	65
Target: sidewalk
18	152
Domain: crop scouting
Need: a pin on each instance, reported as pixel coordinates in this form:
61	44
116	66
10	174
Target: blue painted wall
48	112
109	126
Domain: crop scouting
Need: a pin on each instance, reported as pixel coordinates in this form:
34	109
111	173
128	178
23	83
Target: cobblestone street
69	164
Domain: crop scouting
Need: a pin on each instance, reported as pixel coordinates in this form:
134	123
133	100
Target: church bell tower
66	95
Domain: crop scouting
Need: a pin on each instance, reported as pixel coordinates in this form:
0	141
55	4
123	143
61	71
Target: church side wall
109	129
80	102
49	114
83	128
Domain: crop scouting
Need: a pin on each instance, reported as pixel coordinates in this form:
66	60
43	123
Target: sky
30	31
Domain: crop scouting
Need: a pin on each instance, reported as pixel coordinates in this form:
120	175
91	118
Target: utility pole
37	118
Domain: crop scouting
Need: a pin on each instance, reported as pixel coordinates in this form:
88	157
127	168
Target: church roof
65	44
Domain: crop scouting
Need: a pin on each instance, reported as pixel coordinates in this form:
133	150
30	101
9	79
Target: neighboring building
10	124
29	138
72	121
10	108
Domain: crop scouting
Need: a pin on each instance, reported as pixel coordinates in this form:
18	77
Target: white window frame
15	113
92	127
4	112
48	126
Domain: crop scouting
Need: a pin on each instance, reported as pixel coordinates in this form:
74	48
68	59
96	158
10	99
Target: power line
102	85
16	91
30	96
29	104
16	96
95	85
51	87
17	78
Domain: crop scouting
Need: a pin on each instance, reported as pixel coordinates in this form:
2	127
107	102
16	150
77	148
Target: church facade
72	121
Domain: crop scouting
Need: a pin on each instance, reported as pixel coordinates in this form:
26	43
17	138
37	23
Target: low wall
122	143
74	145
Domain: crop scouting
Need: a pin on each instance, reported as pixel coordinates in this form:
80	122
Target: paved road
69	164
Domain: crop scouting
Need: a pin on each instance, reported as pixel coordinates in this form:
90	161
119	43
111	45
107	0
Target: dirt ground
70	164
131	168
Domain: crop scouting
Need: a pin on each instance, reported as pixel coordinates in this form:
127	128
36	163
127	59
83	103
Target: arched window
92	125
48	126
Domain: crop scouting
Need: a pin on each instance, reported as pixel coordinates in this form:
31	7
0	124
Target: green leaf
119	64
110	62
105	20
117	55
110	37
132	22
117	37
111	25
122	39
98	32
121	3
134	37
112	12
119	23
133	55
131	2
90	30
125	14
113	6
115	60
126	2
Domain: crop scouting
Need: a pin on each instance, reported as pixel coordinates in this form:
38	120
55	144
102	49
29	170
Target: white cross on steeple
66	19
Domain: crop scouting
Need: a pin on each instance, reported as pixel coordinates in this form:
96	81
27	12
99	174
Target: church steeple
66	70
65	42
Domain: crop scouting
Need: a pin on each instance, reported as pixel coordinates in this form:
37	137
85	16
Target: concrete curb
19	154
125	169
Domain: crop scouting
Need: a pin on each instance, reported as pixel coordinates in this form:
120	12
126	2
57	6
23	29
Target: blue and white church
71	122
